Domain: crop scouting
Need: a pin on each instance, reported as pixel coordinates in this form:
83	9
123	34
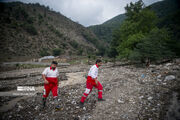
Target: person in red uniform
50	77
93	82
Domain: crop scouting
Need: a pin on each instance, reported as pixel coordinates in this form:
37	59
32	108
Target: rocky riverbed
131	93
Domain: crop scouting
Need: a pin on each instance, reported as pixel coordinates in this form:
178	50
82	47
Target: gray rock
170	77
150	98
168	64
159	76
120	101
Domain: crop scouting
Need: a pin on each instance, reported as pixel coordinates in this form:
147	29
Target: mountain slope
162	9
32	30
104	31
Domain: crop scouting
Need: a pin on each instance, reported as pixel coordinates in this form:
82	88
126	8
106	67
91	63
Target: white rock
141	97
150	98
168	64
20	107
164	83
159	76
120	101
36	108
152	66
170	77
84	108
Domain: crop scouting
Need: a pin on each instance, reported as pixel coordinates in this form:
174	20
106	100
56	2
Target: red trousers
52	86
89	86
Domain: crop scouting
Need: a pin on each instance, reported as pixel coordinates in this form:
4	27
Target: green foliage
133	9
138	24
114	44
104	31
165	7
40	16
64	45
80	51
93	57
30	29
74	44
153	47
89	38
127	46
94	40
57	51
30	20
34	9
172	22
55	31
20	13
101	51
138	38
44	52
45	14
14	24
34	19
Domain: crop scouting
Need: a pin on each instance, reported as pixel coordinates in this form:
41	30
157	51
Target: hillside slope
31	30
162	9
104	31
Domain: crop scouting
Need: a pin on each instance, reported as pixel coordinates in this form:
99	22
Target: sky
87	12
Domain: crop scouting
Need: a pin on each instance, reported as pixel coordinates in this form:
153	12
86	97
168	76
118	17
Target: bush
80	51
40	16
30	29
55	31
74	44
30	20
44	52
153	47
57	51
89	38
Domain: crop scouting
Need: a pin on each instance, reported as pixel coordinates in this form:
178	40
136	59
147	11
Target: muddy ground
131	93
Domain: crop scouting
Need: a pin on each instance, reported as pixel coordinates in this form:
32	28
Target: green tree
126	47
57	51
133	9
153	47
140	21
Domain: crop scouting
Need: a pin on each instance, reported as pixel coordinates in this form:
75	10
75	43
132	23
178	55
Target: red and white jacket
51	75
92	74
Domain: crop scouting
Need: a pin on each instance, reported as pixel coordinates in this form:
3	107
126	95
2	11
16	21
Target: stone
84	108
36	108
169	77
168	64
150	98
120	101
159	76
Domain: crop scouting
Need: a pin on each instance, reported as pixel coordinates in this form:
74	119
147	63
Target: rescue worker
50	77
93	82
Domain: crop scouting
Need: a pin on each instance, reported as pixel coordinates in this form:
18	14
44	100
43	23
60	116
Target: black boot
101	99
56	104
81	104
44	102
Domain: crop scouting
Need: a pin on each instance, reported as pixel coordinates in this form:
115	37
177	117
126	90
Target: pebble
169	77
150	98
120	101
